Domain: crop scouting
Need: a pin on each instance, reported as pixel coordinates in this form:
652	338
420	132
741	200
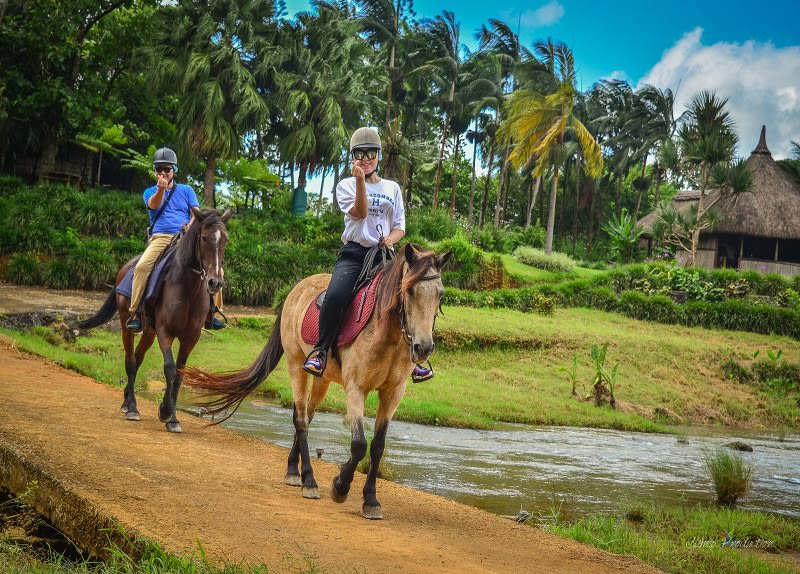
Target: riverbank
495	366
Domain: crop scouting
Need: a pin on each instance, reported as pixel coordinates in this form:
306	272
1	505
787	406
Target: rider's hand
357	172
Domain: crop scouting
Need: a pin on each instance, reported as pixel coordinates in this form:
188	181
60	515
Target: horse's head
421	292
212	237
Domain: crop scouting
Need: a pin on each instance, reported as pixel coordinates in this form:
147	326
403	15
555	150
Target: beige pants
155	247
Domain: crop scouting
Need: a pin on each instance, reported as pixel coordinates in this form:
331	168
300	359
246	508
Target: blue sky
748	52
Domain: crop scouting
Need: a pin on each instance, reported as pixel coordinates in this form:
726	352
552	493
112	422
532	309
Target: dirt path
226	491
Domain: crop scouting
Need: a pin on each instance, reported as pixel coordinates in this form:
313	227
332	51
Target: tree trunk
439	165
47	156
535	184
486	185
577	198
551	214
321	188
208	181
456	157
470	211
500	186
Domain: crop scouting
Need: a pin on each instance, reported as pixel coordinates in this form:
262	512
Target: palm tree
444	71
499	40
653	120
708	143
321	84
541	124
205	53
383	23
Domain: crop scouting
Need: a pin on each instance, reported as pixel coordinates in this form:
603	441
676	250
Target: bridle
202	271
403	316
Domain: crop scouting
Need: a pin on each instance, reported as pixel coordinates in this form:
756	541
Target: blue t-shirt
178	211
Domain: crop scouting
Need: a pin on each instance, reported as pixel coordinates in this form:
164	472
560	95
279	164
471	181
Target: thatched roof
772	209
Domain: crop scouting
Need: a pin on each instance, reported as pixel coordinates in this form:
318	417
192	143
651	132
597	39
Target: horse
380	358
179	311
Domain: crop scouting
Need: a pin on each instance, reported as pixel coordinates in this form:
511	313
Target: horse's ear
442	259
197	213
410	253
227	215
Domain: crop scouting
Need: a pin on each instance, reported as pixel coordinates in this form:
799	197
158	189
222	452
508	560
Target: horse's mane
394	283
186	250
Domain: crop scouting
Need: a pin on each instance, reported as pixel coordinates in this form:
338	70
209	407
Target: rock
738	445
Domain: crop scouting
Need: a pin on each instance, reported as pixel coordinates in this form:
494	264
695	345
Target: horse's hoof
336	496
163	416
123	409
132	415
372	512
292	479
174	427
310	492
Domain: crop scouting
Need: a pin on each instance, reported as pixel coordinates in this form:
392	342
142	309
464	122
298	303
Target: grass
507	366
691	540
731	475
500	365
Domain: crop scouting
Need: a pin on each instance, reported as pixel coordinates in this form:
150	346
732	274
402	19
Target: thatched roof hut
760	229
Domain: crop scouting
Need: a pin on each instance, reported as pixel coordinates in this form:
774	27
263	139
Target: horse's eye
411	292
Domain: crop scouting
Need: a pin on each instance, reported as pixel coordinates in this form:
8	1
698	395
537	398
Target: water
576	471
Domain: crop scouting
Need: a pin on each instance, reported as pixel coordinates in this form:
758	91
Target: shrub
433	224
92	264
24	269
732	476
537	258
56	275
491	238
465	264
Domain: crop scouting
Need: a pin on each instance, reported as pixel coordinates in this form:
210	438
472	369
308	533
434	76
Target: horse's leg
133	360
166	409
185	349
305	405
388	403
358	445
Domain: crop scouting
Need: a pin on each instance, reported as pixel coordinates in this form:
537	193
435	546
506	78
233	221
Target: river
544	470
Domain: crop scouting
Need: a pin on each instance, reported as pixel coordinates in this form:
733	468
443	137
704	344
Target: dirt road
211	485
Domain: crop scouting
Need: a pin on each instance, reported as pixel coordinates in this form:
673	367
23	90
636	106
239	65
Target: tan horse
380	359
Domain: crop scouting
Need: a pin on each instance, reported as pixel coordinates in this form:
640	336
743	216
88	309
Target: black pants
340	293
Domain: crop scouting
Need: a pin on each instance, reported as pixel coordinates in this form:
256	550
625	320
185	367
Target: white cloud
760	81
546	15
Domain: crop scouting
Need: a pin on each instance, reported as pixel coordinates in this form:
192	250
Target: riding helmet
165	155
367	138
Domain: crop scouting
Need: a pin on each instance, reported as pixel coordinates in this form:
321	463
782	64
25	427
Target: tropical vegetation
233	83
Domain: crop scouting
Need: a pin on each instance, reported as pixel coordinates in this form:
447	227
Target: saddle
356	315
154	282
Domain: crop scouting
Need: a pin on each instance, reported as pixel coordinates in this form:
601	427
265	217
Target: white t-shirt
384	208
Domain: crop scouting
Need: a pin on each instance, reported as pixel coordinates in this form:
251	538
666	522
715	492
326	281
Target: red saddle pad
355	317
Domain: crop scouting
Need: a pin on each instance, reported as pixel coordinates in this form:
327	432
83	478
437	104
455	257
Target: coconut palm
708	141
444	71
499	40
322	87
204	54
542	124
653	121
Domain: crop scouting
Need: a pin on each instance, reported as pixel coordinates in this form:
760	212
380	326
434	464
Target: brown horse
380	359
178	313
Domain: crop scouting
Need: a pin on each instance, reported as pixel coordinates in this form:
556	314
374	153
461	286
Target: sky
747	52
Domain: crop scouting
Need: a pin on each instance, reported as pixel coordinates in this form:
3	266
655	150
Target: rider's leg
158	243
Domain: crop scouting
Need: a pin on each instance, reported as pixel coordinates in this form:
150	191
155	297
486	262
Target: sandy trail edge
226	490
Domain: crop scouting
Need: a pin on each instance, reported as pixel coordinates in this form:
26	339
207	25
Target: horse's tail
104	315
231	388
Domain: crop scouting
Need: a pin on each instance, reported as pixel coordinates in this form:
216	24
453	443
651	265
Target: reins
401	311
202	271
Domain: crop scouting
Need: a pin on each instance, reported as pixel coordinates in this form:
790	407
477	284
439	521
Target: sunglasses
163	168
365	153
